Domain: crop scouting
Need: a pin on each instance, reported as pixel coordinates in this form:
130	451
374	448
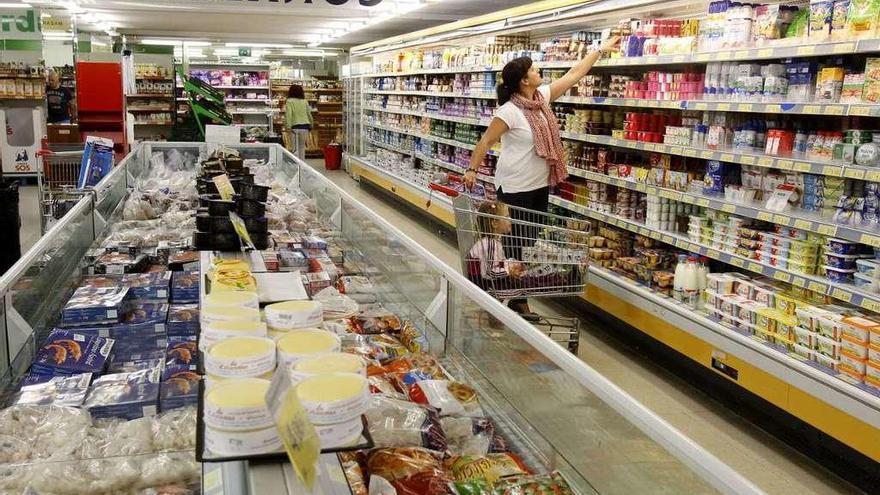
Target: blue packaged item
119	357
183	320
97	161
35	376
715	178
148	285
67	352
181	389
66	391
117	366
89	306
102	281
179	370
140	313
125	395
181	351
185	287
134	344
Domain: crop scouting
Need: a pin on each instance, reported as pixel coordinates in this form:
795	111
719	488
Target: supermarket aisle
769	463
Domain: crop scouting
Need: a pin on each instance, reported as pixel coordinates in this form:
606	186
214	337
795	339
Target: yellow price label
860	110
772	108
764	216
765	52
870	305
723	107
765	161
738	262
224	187
728	208
747	160
834	110
712	253
722	56
706	155
678	59
651	147
703	202
817	287
741	54
829	230
803	224
853	173
726	157
743	107
812	109
641	187
668	239
832	170
843	48
782	276
869	239
806	50
872	175
629	102
700	106
798	281
756	267
781	219
801	167
652	190
690	152
643	231
784	164
673	195
841	294
674	150
297	433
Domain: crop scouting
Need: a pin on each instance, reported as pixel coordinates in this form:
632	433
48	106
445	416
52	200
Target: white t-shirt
519	169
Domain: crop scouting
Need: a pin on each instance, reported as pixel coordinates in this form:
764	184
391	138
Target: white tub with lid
300	344
238	405
236	299
215	314
221	330
334	397
291	315
241	357
335	362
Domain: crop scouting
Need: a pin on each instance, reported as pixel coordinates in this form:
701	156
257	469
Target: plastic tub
839	275
843	261
868	267
865	282
840	246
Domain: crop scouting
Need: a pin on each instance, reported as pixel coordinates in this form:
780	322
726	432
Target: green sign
19	24
244	52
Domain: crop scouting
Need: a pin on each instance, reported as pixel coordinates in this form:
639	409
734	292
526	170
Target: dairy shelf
451	166
803	220
435	116
846	293
418	189
477	96
428	137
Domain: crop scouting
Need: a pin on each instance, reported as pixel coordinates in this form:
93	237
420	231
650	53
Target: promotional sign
23	24
23	125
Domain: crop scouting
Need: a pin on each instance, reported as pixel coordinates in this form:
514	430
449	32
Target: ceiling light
6	5
99	43
152	41
259	45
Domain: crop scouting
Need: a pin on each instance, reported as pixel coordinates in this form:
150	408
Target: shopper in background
532	158
298	119
59	100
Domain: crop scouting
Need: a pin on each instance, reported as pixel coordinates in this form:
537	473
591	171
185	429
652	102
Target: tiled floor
767	462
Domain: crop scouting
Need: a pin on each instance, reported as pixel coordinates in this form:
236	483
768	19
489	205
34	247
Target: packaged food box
804	352
102	281
181	351
805	337
316	282
868	267
67	352
826	361
827	347
865	282
184	261
872	373
185	286
64	391
147	285
859	328
132	345
853	347
840	246
124	395
118	263
806	316
183	320
829	325
180	389
787	304
89	306
118	358
292	260
874	338
118	366
856	365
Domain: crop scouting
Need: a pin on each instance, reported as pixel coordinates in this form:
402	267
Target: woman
532	158
298	119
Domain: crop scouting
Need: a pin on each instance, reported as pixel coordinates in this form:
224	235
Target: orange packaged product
859	328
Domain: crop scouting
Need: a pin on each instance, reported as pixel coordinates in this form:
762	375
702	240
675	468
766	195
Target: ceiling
279	21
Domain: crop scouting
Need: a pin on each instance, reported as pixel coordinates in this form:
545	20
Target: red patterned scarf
548	144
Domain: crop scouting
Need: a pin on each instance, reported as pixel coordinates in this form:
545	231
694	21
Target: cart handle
452	193
45	152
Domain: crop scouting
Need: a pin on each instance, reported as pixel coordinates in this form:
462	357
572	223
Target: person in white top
532	159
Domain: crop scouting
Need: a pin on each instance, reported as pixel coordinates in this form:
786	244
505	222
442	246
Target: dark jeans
523	235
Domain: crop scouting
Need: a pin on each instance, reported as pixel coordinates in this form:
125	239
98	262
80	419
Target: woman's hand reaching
469	179
609	44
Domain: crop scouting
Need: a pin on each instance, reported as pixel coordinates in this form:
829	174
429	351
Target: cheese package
334	398
152	285
233	280
66	352
215	314
243	443
237	299
294	314
303	343
859	328
215	332
241	357
335	362
238	404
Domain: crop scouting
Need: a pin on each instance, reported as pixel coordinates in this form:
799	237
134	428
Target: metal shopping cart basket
56	179
514	252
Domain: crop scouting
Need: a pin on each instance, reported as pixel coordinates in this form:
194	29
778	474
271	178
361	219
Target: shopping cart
56	179
514	252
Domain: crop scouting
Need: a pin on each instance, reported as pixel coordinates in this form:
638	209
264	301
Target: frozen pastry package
448	397
125	395
90	306
153	285
68	352
398	423
69	391
490	467
409	471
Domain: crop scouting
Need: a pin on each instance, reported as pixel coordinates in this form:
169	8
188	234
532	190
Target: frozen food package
67	391
490	467
472	436
398	423
335	304
544	484
862	18
448	397
410	471
355	284
375	319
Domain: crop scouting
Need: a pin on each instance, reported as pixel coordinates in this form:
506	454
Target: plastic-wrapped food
472	436
410	471
448	397
355	284
397	423
336	305
545	484
48	430
384	347
490	467
375	319
175	430
354	473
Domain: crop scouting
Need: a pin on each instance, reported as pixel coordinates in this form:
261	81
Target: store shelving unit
823	398
325	96
249	111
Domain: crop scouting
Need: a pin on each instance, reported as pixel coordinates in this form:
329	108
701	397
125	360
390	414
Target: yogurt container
839	275
241	357
865	282
842	261
868	267
840	246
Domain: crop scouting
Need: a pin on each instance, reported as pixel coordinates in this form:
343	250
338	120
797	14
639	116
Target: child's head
488	224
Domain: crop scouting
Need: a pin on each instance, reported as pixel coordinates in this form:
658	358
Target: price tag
817	287
678	59
690	152
853	173
782	276
703	202
741	54
860	110
869	239
803	224
712	253
870	305
764	216
798	281
724	56
706	155
668	239
784	164
629	102
747	160
675	150
772	108
806	50
841	294
756	267
699	106
801	167
743	107
651	147
765	161
832	170
723	107
739	262
294	427
812	109
781	219
765	52
726	157
728	208
643	231
642	103
673	195
224	187
843	48
872	175
652	190
641	187
829	230
834	110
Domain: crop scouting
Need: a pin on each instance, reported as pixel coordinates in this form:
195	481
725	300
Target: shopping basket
513	252
56	179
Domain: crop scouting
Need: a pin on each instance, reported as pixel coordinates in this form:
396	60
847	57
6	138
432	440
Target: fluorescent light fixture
259	45
7	5
152	41
308	53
